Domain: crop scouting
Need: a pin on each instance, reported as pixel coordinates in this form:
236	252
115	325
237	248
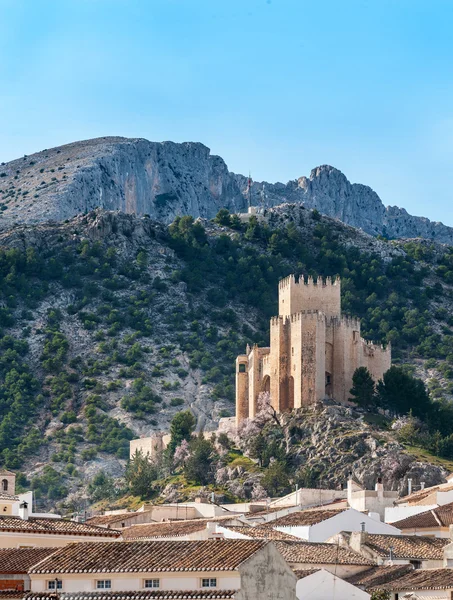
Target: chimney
213	497
422	485
350	487
23	511
409	486
358	539
379	487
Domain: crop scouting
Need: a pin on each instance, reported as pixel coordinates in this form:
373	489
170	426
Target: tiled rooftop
442	516
172	529
261	533
319	553
165	529
139	595
302	573
151	556
422	494
305	517
377	576
107	519
53	526
422	579
20	560
407	546
10	497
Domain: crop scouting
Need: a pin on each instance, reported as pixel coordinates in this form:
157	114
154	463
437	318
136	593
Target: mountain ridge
168	179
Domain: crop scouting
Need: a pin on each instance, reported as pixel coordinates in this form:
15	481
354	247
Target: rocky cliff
168	179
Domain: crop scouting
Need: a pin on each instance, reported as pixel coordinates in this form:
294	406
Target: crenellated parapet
306	314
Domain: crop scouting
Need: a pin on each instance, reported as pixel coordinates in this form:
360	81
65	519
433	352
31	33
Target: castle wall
242	388
296	296
313	359
346	355
278	361
376	359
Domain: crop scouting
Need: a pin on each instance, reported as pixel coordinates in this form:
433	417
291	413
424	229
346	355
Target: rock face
168	179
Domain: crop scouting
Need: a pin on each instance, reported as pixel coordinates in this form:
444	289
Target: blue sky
273	86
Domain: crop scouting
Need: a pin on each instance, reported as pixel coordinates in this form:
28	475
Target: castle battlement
345	321
306	314
310	281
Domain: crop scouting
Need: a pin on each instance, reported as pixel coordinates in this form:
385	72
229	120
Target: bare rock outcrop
165	179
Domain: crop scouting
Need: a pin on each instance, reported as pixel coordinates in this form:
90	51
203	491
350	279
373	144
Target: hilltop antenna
249	190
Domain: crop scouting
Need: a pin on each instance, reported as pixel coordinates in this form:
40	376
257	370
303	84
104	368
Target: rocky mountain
167	179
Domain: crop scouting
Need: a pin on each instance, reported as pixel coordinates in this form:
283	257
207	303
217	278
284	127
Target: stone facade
314	351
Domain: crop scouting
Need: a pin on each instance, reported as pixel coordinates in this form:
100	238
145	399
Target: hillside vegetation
112	323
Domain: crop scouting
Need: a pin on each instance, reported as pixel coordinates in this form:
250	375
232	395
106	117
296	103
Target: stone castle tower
313	352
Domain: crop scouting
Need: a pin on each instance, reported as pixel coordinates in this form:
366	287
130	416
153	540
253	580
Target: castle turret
299	295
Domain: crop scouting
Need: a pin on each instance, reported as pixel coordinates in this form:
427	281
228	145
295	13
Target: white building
318	525
320	585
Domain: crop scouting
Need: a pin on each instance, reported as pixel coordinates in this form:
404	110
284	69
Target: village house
139	595
321	584
318	525
428	584
256	568
420	552
15	564
374	577
342	562
25	531
370	501
10	502
152	513
435	495
434	522
195	529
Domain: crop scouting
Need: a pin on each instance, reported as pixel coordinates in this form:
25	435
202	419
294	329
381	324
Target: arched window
4	485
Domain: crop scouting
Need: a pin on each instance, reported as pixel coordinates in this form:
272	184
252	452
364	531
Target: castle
313	352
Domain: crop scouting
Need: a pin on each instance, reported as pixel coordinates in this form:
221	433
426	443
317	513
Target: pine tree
363	390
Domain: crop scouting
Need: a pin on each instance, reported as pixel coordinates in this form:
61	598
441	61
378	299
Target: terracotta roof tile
20	560
262	533
107	519
165	529
407	546
151	556
442	516
319	553
138	595
5	496
422	579
422	494
377	576
53	526
305	517
171	529
302	573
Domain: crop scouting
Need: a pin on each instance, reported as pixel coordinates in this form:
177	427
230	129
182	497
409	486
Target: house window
417	564
242	368
103	584
55	584
209	582
4	485
152	583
